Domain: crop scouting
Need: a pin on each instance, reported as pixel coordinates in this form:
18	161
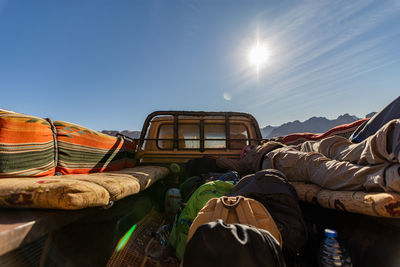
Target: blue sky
107	64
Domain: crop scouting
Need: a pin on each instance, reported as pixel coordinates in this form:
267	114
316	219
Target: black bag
196	167
220	244
190	185
273	190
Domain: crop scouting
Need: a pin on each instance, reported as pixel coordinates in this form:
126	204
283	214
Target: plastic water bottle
331	252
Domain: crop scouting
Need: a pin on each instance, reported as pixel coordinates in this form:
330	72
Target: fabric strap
54	130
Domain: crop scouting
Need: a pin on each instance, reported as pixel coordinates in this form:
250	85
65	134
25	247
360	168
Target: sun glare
258	56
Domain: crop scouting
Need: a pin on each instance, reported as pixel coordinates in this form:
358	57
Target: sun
258	55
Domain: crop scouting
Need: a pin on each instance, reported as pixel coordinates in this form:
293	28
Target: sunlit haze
258	56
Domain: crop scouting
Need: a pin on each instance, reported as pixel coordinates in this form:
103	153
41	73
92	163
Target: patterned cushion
26	146
120	184
81	150
368	203
51	193
79	190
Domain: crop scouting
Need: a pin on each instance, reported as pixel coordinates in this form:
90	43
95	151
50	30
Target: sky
106	64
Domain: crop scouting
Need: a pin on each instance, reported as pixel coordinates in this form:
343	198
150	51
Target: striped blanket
81	150
344	130
26	146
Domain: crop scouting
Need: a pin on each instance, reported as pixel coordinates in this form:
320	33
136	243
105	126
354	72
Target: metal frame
176	114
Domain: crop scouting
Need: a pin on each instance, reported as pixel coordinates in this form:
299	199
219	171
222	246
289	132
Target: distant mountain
131	134
369	115
312	125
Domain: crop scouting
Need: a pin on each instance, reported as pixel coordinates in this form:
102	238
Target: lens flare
122	242
227	96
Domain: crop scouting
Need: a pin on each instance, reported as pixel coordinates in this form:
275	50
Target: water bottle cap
330	233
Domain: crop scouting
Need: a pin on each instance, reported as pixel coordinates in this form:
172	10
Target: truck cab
178	136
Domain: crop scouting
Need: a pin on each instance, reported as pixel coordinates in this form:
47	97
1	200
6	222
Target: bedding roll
81	150
26	146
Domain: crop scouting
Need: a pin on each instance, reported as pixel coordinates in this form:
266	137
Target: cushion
81	150
145	175
369	203
125	182
79	190
26	146
51	193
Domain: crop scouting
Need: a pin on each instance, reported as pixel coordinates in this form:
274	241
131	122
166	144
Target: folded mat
77	191
377	204
26	146
51	193
125	182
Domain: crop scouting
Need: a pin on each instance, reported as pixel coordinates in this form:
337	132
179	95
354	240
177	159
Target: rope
54	130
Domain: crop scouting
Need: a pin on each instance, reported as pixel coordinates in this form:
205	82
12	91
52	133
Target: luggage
220	244
190	185
236	210
196	167
251	158
196	202
272	189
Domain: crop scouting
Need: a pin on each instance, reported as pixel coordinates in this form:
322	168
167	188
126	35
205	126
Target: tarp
390	112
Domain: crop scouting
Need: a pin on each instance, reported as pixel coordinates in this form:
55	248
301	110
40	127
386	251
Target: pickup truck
89	237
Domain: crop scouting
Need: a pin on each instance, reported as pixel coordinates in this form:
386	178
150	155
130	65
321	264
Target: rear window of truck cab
189	135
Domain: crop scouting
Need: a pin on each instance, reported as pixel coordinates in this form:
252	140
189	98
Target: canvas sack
236	210
234	245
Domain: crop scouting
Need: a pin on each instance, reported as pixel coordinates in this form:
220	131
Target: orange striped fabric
26	146
81	150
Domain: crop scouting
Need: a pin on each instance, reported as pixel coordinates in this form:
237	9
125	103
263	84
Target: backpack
189	186
220	244
236	210
196	202
272	189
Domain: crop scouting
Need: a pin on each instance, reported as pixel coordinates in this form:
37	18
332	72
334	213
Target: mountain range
312	125
131	134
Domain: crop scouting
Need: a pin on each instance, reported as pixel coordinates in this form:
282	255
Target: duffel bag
273	190
236	210
220	244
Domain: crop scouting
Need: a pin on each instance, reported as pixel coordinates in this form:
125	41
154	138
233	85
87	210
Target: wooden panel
19	227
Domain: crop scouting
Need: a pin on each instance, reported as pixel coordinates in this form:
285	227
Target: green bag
196	202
